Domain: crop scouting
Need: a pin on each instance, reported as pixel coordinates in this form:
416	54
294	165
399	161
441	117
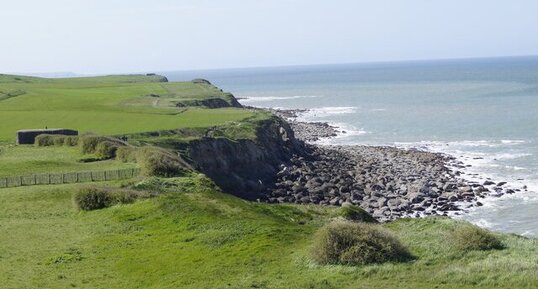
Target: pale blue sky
111	36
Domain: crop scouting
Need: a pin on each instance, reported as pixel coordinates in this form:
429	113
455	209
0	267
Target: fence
68	178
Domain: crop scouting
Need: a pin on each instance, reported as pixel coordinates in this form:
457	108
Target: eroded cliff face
247	168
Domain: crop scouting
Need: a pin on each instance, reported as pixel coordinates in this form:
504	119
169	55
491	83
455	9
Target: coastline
389	182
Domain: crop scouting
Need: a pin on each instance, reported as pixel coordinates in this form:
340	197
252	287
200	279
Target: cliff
245	167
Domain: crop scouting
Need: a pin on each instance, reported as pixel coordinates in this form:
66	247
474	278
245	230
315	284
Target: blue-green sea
482	111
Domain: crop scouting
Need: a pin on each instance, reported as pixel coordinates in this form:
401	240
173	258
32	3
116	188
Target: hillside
179	224
109	105
193	232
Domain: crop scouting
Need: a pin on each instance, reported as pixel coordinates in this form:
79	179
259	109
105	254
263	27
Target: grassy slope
26	160
105	105
199	238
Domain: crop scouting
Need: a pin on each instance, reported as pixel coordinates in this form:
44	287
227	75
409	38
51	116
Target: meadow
194	236
24	160
113	105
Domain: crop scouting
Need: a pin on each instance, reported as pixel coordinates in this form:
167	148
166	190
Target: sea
482	111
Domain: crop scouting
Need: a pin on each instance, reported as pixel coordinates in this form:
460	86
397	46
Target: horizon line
76	74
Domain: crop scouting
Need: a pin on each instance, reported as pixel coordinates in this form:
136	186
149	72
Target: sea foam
254	99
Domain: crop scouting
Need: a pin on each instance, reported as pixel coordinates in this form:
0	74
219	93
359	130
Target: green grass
106	105
184	239
27	160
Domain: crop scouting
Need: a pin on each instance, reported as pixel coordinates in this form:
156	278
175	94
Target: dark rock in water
501	184
488	183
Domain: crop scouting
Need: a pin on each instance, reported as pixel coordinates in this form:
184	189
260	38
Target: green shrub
71	141
90	143
469	238
44	140
349	243
159	162
58	140
355	213
106	150
94	198
126	154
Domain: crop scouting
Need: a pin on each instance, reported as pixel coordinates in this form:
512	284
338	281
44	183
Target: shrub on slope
93	198
160	162
469	238
348	243
354	213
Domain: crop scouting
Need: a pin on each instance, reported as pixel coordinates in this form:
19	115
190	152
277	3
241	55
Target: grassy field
27	160
106	105
187	237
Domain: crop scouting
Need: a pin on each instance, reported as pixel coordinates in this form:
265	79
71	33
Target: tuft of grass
88	143
45	140
156	161
351	212
106	149
473	238
347	243
126	154
90	198
71	141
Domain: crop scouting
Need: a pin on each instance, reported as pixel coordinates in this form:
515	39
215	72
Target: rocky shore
387	182
307	131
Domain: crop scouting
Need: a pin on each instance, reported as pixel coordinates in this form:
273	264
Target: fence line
68	178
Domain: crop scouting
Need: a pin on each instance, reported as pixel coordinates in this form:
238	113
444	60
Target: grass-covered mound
89	198
154	161
354	213
45	140
348	243
469	238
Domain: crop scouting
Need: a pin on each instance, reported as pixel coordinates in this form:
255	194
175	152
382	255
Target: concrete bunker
27	136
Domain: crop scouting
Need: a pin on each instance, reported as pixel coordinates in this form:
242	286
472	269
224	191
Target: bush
155	161
71	141
58	140
469	238
94	198
348	243
89	144
106	150
126	154
44	140
354	213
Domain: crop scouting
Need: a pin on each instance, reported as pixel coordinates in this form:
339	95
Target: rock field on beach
387	182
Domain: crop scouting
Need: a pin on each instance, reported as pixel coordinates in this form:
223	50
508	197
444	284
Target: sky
113	36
